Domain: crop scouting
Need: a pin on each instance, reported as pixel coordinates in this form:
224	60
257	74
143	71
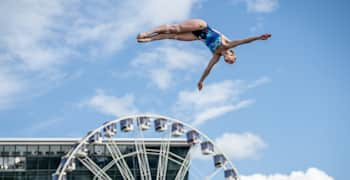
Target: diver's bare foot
144	35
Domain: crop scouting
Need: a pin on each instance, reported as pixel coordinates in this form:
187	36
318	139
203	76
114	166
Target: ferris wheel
144	149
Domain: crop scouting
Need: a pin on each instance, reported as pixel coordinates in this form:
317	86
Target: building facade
38	159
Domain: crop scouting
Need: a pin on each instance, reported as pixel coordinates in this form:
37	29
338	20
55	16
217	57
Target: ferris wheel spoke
119	160
94	168
112	163
185	165
142	157
163	158
105	169
211	175
137	147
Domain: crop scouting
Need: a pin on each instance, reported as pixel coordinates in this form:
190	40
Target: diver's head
229	56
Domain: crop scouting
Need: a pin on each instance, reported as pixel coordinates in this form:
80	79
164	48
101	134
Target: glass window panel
43	163
20	163
173	166
12	163
1	163
99	150
21	149
102	160
153	161
80	166
44	149
32	150
122	148
90	148
130	161
54	149
9	150
65	148
54	162
32	163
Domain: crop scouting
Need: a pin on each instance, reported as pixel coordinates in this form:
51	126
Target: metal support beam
142	157
119	160
94	168
185	165
163	159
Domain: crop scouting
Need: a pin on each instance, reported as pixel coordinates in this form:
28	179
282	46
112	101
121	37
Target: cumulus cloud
28	35
111	105
37	38
160	63
107	25
259	6
240	146
237	146
30	47
43	33
309	174
215	99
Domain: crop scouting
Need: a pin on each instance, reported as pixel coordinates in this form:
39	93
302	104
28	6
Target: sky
280	112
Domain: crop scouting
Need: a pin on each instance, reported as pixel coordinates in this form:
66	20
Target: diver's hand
265	36
200	85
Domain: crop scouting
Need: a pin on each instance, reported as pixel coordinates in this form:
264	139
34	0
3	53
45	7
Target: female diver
198	29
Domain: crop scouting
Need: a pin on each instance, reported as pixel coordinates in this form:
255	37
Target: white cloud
28	35
218	111
237	146
105	26
310	174
111	105
44	33
240	146
160	64
10	86
30	47
261	81
215	100
259	6
159	11
222	93
38	37
161	77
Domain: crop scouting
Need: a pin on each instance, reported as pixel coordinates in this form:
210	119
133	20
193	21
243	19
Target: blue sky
67	67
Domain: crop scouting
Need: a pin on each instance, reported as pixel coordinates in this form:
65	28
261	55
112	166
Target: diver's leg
190	25
187	36
157	37
186	26
179	36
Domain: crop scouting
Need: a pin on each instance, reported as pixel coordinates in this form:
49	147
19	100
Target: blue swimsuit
211	37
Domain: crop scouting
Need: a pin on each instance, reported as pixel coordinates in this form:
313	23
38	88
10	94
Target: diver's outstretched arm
207	70
235	43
